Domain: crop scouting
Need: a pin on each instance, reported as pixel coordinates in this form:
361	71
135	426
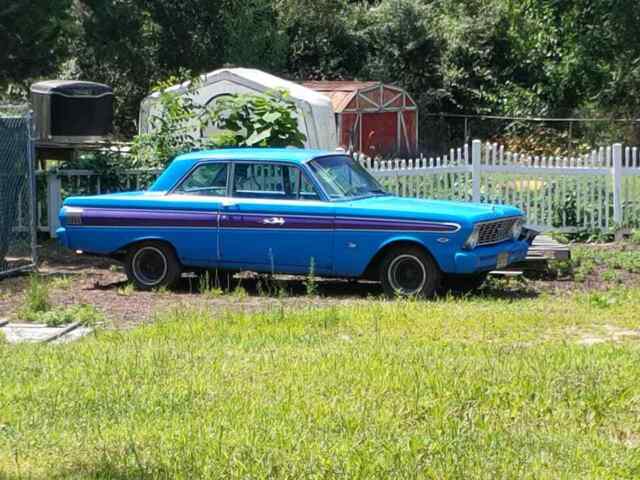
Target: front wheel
409	271
152	265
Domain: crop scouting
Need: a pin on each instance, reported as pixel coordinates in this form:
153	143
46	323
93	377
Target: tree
32	35
322	41
132	45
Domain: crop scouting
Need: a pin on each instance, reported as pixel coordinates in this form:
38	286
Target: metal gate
17	193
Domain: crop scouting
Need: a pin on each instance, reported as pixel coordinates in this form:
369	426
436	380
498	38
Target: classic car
289	211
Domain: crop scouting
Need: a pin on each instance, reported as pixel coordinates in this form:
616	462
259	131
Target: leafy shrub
252	120
84	314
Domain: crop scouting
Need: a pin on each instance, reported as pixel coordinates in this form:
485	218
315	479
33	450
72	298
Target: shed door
379	133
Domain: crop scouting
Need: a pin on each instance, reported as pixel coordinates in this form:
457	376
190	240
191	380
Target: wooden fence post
617	189
54	202
476	152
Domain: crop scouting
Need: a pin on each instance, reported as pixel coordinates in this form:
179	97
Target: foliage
249	120
465	388
37	306
173	131
609	263
256	120
132	45
86	315
32	38
36	297
510	57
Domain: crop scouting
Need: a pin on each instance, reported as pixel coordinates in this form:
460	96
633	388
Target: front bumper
62	237
483	259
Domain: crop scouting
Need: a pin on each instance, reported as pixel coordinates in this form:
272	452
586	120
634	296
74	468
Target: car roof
293	155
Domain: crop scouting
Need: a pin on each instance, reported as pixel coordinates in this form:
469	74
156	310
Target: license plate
503	260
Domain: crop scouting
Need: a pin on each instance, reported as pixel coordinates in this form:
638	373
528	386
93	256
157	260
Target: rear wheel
152	265
409	271
464	283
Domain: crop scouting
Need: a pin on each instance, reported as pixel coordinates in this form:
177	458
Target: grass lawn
546	387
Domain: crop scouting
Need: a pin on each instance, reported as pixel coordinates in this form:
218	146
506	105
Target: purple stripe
396	225
147	218
186	218
290	221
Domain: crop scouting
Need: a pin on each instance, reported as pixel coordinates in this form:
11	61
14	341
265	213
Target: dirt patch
77	279
606	333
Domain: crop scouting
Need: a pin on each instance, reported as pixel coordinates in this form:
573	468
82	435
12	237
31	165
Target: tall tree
33	35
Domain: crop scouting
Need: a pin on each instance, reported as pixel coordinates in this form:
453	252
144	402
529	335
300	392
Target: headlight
472	241
516	230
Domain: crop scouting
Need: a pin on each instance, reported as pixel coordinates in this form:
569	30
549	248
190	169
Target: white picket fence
599	191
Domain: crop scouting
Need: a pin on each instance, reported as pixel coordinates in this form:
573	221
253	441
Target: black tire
152	265
464	283
409	271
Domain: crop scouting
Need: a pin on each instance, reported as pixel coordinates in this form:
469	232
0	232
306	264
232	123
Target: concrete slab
35	333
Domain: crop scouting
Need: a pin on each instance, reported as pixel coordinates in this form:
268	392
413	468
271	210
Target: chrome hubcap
150	266
407	275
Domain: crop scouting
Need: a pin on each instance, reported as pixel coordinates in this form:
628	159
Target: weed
635	237
85	314
62	282
561	268
239	292
602	300
36	298
127	290
610	276
209	287
310	283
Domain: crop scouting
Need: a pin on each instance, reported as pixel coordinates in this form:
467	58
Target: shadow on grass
266	286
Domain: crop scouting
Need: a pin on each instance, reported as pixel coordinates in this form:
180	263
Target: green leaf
257	137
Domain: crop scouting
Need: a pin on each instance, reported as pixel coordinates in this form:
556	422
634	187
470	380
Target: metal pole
31	165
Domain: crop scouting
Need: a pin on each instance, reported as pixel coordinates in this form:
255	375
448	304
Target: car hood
421	209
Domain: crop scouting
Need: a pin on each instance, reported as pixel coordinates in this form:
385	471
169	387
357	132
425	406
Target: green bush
251	120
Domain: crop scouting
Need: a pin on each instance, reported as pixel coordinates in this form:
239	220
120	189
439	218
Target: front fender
355	251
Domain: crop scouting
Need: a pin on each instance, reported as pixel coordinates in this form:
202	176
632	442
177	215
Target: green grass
459	388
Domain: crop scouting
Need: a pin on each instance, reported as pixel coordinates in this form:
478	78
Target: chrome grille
496	231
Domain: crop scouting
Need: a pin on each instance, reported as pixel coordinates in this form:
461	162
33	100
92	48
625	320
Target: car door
198	199
276	221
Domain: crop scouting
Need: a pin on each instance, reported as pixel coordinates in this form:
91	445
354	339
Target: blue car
289	211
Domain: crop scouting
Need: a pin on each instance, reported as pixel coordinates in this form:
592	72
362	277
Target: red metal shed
371	117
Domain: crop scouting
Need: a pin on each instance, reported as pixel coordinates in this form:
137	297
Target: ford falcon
287	211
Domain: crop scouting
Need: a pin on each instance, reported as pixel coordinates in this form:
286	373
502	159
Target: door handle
273	221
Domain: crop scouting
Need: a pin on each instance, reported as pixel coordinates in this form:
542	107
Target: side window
307	189
208	179
261	180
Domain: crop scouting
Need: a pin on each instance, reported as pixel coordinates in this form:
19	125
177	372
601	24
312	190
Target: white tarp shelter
316	118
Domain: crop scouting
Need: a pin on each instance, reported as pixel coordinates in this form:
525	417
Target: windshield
342	178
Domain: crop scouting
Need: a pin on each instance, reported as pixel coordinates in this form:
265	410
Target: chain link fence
17	191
